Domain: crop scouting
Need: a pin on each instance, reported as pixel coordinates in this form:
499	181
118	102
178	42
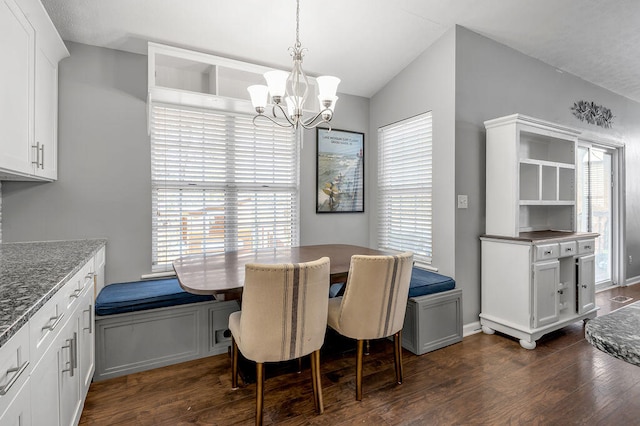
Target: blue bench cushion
422	283
425	282
140	295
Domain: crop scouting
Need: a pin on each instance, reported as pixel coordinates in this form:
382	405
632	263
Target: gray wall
476	79
352	113
104	181
103	187
427	84
493	80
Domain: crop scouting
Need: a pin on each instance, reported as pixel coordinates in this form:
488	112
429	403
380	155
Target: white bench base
132	342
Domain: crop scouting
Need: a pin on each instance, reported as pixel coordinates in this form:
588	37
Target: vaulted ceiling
367	42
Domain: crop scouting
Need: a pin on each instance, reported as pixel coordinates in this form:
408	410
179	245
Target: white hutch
538	274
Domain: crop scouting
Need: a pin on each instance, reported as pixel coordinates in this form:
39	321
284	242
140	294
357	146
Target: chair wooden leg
359	355
234	364
397	355
259	392
316	382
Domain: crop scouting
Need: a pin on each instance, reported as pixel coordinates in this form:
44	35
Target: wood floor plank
485	379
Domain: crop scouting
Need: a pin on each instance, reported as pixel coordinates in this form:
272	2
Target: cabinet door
18	412
586	281
86	341
17	44
546	278
44	379
68	375
44	151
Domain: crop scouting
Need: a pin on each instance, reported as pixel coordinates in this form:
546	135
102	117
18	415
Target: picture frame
339	171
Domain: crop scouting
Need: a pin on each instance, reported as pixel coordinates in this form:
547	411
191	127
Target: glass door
597	206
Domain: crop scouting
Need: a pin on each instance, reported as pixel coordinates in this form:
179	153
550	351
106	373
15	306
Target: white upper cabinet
530	176
17	44
45	151
29	110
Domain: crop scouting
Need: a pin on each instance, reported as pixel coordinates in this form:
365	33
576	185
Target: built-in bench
148	324
433	318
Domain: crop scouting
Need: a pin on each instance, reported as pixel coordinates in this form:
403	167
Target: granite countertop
616	333
546	236
31	273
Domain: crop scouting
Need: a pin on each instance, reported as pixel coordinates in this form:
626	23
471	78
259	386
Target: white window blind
219	183
405	187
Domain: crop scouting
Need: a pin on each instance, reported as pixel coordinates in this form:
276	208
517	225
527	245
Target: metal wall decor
593	114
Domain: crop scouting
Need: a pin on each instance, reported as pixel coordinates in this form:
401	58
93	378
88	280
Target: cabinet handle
17	372
42	156
76	293
90	328
37	148
548	252
568	249
56	321
587	247
73	359
74	344
584	286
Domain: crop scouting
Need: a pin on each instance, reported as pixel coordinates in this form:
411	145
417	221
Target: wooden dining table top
222	274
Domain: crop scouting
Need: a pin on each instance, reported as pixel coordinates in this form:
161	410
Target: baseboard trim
471	328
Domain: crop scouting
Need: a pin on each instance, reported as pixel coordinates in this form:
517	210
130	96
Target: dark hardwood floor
485	379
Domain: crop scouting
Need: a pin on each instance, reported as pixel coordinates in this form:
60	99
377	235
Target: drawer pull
587	247
548	252
56	321
76	293
17	372
568	249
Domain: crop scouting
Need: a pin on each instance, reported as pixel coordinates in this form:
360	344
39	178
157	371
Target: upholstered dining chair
283	317
373	305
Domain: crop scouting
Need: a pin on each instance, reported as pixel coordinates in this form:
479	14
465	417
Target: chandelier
293	88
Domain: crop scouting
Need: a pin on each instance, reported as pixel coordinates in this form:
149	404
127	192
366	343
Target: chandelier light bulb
327	86
259	94
277	83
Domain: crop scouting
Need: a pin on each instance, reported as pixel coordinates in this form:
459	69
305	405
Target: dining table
222	274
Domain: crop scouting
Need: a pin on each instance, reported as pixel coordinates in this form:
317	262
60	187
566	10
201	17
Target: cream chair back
375	297
284	310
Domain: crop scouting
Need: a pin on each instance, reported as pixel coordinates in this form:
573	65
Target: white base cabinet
57	350
530	288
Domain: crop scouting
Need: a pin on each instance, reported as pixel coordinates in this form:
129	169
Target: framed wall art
339	171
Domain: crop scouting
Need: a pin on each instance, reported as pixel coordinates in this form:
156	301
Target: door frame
618	256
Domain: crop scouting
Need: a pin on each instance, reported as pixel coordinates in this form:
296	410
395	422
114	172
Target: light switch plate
463	201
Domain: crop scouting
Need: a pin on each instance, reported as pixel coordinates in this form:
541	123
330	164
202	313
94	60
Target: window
405	187
219	183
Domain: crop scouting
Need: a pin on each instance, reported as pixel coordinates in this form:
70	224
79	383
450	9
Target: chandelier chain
292	89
